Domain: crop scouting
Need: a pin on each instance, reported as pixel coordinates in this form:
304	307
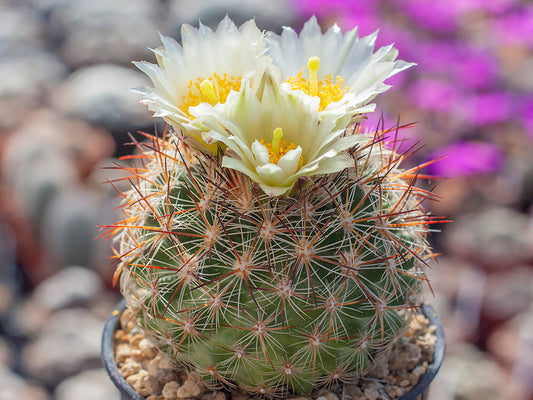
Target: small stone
129	368
405	383
371	394
321	398
165	363
218	396
126	318
394	392
148	349
331	396
136	339
122	352
353	391
190	388
150	385
135	379
170	390
137	355
90	384
166	375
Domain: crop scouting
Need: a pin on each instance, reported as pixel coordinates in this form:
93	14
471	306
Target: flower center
328	90
278	147
212	90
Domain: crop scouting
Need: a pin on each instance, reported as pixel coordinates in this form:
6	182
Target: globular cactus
256	283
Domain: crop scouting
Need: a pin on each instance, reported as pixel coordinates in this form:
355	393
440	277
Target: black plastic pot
418	392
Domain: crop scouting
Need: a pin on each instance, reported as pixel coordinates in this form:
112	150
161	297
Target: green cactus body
274	295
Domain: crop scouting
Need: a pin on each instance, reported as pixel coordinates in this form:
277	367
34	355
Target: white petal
260	153
271	174
289	162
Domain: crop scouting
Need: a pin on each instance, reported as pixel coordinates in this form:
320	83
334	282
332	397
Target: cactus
274	286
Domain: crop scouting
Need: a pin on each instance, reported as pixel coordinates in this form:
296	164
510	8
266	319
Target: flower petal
260	152
289	162
271	174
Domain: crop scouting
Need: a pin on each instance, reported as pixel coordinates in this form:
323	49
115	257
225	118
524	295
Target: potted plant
271	244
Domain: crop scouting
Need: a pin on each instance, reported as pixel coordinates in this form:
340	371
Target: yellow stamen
276	138
212	90
208	91
279	147
329	91
313	64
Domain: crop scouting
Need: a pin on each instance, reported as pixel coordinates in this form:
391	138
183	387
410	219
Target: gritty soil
156	378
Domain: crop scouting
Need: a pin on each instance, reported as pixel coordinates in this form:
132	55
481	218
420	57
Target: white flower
206	68
341	69
276	136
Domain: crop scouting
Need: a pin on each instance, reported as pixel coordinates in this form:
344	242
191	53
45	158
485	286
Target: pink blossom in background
466	158
433	94
515	28
405	138
528	117
437	16
475	70
487	108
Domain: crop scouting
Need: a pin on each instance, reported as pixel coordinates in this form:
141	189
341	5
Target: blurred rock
101	95
69	228
72	286
110	39
508	293
21	28
7	356
46	131
26	80
271	15
26	319
496	237
88	385
13	387
68	344
468	373
65	16
10	283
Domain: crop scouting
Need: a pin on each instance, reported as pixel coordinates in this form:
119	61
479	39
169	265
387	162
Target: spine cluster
274	295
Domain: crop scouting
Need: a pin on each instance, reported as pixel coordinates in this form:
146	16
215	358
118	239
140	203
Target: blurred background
66	112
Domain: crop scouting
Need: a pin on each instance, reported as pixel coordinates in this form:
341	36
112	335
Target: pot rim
112	322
